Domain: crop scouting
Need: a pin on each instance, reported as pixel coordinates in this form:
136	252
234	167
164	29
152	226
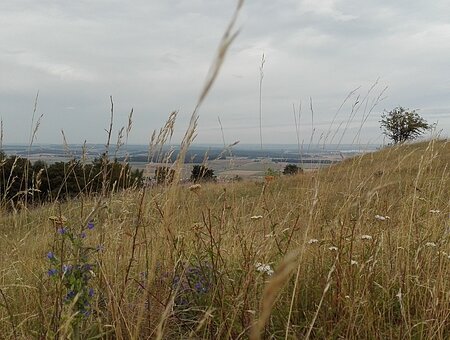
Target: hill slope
360	250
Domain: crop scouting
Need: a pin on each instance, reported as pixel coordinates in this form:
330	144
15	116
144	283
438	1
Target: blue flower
91	292
50	255
66	268
200	288
70	295
86	267
52	272
62	230
90	225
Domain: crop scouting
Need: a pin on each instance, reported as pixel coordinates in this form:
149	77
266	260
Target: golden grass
359	276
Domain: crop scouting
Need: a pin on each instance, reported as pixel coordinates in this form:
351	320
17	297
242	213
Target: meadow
357	250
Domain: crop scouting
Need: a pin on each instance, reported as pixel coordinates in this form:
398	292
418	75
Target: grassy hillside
359	250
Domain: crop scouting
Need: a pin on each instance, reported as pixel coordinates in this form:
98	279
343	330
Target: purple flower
66	268
83	235
91	292
52	272
90	225
70	295
50	255
86	267
199	287
62	230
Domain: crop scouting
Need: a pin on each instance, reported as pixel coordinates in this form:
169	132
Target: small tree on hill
291	169
202	173
402	124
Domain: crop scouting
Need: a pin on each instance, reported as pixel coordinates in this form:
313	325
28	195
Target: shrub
402	124
291	169
202	173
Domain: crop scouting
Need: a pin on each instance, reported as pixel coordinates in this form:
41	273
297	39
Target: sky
348	60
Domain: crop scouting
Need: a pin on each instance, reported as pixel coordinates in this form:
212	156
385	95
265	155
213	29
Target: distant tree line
22	180
199	173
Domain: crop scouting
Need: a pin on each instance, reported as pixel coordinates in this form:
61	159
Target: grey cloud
154	56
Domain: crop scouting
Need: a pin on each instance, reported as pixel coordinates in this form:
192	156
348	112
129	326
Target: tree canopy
38	182
202	173
291	169
402	124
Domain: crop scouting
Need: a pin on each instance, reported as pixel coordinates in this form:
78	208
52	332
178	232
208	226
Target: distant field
245	168
248	161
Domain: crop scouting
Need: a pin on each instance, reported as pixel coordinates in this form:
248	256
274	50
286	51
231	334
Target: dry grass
390	283
360	251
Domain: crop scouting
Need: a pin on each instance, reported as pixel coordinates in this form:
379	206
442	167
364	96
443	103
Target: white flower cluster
382	218
264	268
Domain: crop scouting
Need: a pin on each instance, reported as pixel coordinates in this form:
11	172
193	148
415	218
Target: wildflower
195	187
87	267
66	268
430	244
200	288
51	256
256	217
366	237
382	218
83	235
91	292
354	263
52	272
333	248
313	240
70	295
264	268
90	225
435	211
181	302
62	230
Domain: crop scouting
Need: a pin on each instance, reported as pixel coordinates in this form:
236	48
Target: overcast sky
153	56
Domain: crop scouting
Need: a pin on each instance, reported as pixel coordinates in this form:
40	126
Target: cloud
154	56
326	8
